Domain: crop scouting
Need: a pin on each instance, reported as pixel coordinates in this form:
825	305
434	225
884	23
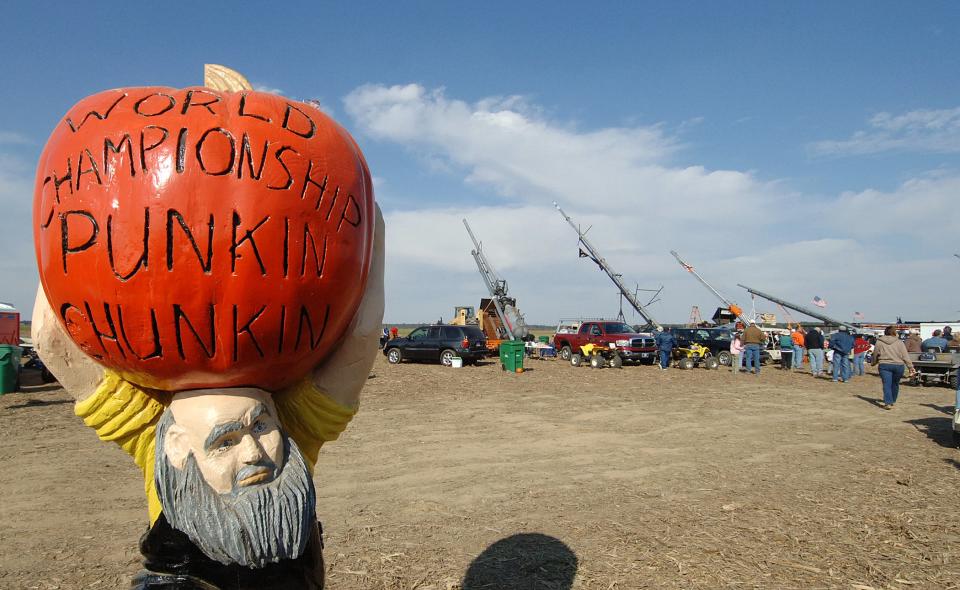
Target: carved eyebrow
258	411
219	431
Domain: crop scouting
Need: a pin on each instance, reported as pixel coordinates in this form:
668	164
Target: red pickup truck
632	346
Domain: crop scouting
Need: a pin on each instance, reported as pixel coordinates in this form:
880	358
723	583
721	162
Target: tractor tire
711	363
685	363
597	361
446	357
394	356
565	352
616	362
576	359
953	382
724	358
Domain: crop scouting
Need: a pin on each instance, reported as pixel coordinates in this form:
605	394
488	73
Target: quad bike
597	357
694	356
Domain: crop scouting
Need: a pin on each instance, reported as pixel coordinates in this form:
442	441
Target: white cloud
18	267
935	131
11	138
623	182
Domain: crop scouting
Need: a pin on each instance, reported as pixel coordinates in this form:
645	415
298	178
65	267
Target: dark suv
716	339
438	343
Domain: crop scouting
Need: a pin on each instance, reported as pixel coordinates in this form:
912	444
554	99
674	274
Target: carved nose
250	451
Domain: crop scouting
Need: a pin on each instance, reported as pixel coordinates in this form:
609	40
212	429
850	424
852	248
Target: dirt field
557	478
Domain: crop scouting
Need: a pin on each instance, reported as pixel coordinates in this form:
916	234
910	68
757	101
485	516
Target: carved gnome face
229	478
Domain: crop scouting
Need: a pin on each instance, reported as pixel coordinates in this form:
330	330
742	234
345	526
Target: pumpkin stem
224	79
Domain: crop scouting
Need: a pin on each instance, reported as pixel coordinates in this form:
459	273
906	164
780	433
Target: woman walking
891	355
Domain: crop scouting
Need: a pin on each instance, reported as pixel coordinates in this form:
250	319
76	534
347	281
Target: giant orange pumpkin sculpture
192	238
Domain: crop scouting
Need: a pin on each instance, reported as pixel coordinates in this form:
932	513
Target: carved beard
252	526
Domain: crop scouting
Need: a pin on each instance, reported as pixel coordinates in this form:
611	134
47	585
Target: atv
597	357
694	355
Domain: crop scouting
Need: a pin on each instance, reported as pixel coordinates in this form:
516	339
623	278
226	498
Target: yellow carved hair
123	413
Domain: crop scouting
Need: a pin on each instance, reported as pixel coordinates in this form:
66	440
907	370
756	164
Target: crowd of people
846	352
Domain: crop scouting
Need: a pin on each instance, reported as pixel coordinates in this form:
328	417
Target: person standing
861	346
813	340
736	354
665	343
841	343
798	342
890	354
753	339
786	351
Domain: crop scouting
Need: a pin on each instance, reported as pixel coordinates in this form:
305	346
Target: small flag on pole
819	302
857	315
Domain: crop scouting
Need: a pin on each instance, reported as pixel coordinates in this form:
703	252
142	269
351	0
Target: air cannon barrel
804	310
594	255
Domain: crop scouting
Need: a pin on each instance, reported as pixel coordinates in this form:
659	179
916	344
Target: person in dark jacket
841	343
813	340
665	343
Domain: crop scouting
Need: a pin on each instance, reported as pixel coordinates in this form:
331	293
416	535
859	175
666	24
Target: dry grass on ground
557	478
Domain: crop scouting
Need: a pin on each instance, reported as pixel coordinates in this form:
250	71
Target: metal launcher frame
799	308
594	254
736	309
496	286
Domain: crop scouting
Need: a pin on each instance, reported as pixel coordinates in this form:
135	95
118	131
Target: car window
617	328
433	332
418	334
473	333
703	335
595	330
585	329
450	333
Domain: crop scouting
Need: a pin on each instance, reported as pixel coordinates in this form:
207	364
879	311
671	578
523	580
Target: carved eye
258	427
225	444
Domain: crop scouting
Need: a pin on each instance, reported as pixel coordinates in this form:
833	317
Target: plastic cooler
511	355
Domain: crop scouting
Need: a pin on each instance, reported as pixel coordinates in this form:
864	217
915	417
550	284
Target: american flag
819	302
857	315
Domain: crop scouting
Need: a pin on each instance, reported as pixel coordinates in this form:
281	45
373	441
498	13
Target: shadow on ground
35	403
938	429
528	561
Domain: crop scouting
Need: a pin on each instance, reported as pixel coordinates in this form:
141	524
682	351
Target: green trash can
511	355
544	339
9	368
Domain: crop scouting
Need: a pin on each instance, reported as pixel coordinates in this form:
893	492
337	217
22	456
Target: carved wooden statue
211	265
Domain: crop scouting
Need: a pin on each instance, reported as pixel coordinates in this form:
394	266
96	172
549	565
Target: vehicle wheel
446	357
576	359
711	363
685	363
616	362
956	439
953	382
723	357
394	356
597	361
565	353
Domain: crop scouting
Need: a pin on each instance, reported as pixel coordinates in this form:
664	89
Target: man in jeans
798	342
753	338
841	343
813	340
665	343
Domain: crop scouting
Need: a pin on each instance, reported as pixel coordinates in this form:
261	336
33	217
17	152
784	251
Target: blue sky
802	148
